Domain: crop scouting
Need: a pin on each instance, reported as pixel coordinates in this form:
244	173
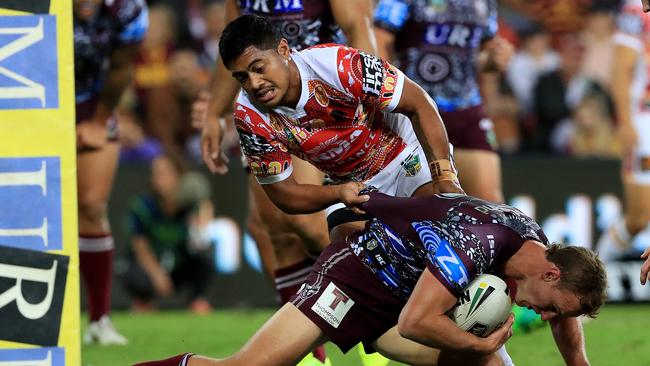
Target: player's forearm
355	19
568	336
430	129
303	198
361	36
438	332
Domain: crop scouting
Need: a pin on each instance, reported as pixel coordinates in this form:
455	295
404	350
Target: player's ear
552	273
283	48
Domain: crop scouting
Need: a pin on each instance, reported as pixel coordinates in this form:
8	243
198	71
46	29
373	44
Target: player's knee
91	208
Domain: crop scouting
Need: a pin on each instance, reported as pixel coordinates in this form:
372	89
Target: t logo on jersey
373	76
333	305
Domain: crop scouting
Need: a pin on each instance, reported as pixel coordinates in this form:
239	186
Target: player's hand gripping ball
484	305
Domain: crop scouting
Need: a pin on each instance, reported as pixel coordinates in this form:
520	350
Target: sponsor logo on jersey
332	305
28	62
454	35
442	255
478	329
372	72
34	298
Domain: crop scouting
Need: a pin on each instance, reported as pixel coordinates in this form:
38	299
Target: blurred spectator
214	19
598	41
594	134
533	59
188	78
135	145
167	249
555	96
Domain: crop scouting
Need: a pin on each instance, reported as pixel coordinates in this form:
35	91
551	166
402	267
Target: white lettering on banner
260	5
34	178
28	178
47	361
332	305
29	88
20	274
40	231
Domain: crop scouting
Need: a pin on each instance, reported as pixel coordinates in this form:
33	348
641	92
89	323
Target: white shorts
401	177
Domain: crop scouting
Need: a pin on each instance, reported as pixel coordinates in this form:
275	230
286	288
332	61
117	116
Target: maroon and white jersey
303	23
456	237
339	124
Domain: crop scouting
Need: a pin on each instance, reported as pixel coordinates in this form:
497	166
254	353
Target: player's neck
292	97
528	261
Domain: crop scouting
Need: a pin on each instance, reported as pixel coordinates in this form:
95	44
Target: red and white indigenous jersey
339	124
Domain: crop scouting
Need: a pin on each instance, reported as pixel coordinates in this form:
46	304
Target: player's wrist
443	170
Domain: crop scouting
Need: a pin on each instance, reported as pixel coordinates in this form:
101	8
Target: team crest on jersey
412	164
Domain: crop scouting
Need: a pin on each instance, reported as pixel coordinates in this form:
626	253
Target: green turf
620	336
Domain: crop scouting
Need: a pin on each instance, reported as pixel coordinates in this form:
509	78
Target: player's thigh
637	203
479	172
392	345
95	173
283	340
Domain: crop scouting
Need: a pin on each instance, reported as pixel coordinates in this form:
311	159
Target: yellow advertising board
39	276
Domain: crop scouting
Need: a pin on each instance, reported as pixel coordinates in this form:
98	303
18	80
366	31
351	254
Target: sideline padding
39	266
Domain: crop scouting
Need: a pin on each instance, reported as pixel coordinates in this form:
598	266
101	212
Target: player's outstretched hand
349	194
213	155
499	337
645	268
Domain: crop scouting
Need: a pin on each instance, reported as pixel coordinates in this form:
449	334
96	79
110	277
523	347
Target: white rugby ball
484	305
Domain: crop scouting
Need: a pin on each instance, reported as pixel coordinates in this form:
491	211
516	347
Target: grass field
620	336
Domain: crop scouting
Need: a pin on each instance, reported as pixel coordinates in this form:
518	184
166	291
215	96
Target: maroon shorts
469	129
345	299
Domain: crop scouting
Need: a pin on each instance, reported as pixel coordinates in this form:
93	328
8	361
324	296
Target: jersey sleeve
632	24
132	17
391	15
369	79
268	159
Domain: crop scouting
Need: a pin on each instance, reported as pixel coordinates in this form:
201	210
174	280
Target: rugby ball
484	305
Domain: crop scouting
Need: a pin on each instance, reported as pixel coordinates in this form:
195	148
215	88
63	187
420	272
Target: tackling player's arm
223	93
567	332
355	19
295	198
424	320
416	104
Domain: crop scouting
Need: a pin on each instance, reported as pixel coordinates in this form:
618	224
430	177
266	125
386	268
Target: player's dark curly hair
246	31
581	272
